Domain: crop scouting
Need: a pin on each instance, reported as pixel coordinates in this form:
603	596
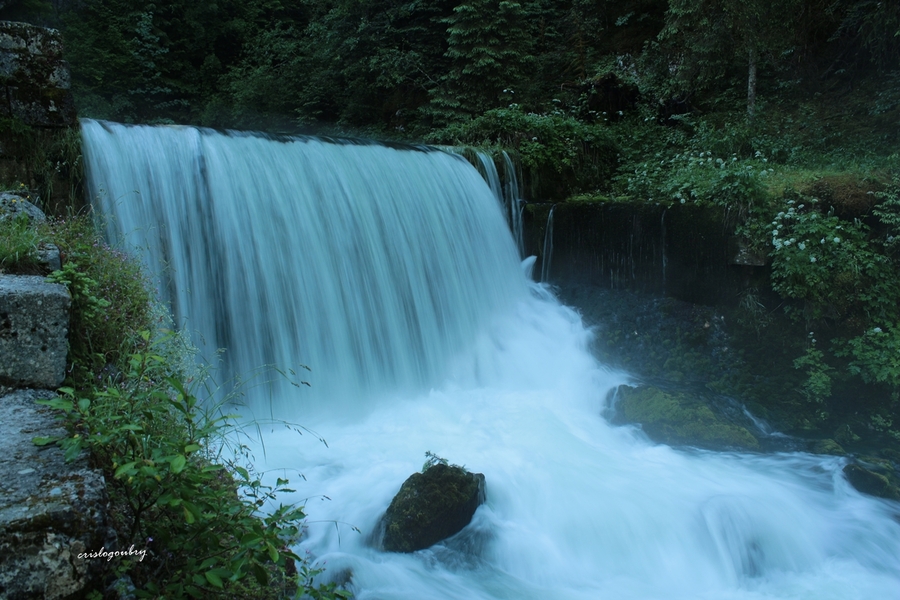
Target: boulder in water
869	482
431	506
678	418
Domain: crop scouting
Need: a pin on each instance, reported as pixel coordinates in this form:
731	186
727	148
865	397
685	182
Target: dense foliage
407	66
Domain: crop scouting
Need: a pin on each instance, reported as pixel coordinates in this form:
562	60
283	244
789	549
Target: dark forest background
406	68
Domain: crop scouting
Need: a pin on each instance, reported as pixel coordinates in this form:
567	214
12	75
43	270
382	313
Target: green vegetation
559	154
175	460
19	244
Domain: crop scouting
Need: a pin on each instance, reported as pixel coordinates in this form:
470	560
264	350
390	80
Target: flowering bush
831	266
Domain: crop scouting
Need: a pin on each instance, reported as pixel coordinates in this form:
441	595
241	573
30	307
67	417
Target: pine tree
489	46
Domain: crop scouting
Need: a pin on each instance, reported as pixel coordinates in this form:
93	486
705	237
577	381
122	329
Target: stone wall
34	78
39	141
51	510
687	253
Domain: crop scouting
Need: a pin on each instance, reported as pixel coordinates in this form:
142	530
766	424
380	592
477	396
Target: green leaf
58	403
262	577
188	515
73	449
214	576
273	553
124	469
43	441
177	464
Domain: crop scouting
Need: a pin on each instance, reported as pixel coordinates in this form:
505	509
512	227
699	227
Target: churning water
391	273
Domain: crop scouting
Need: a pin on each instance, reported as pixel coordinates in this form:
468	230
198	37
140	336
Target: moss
678	418
827	446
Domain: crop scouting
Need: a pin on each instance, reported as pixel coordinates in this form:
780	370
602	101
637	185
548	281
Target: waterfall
547	254
391	273
353	259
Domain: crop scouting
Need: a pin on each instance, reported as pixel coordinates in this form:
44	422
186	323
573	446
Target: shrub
112	299
558	154
175	490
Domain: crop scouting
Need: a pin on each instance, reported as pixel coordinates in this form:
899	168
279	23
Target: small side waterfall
547	254
506	191
513	202
392	273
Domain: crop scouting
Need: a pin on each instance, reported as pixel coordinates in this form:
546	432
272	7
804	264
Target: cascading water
391	273
514	202
505	190
547	254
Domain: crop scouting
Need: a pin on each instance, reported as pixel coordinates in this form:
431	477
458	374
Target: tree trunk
751	83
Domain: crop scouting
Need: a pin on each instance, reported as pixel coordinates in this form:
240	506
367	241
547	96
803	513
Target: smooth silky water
391	273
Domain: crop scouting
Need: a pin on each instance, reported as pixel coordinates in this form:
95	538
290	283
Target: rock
34	321
34	78
50	510
677	418
49	257
826	446
13	204
431	506
870	482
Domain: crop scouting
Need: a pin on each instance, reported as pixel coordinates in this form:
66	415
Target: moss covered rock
679	418
826	446
431	506
869	482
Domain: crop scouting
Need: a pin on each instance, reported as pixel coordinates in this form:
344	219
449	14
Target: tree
489	44
703	37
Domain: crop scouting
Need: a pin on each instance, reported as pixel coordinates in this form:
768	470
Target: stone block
34	322
50	510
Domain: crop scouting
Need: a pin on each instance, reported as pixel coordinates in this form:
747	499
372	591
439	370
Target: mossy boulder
680	419
868	481
431	506
826	446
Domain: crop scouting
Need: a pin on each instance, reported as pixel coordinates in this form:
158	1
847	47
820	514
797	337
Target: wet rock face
50	510
34	322
431	506
34	78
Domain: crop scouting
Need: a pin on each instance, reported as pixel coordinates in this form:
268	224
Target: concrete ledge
34	322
